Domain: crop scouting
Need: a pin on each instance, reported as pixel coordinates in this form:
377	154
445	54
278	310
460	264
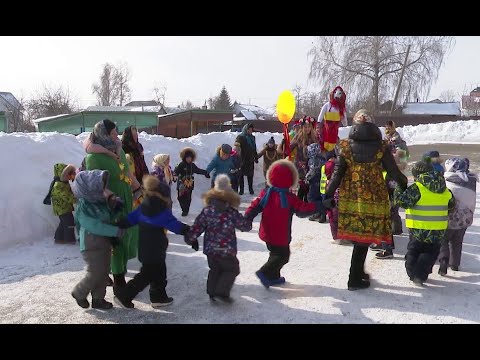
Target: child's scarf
283	196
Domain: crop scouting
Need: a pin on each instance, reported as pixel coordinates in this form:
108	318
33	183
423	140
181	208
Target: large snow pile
27	169
27	161
465	132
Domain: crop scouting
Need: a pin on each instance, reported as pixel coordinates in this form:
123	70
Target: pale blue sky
254	69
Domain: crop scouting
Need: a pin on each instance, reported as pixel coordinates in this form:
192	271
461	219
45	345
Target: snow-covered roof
173	110
156	108
144	103
248	115
417	108
108	108
254	109
10	101
36	121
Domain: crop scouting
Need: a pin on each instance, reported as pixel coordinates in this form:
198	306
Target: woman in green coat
120	183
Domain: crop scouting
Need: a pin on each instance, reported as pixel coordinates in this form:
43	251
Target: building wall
71	124
3	122
186	124
85	121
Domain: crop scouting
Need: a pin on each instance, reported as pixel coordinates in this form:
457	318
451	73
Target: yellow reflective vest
323	180
430	212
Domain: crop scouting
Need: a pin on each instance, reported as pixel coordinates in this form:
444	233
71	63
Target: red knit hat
282	174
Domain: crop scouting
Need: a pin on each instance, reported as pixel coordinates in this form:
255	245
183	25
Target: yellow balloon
285	106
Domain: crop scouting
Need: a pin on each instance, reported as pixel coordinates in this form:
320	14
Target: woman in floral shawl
364	206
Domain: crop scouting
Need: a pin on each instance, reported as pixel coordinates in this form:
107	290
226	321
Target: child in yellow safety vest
427	202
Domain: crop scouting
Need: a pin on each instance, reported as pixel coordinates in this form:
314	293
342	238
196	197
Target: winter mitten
195	245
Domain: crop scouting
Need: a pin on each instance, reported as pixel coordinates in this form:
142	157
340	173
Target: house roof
156	109
248	115
108	108
477	89
418	108
174	110
252	108
48	118
10	101
144	103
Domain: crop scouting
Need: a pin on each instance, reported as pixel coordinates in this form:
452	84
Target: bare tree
187	105
299	97
311	104
105	89
121	77
369	67
113	88
50	102
212	103
159	92
448	96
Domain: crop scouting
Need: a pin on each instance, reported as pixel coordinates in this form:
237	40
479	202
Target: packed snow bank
465	132
27	161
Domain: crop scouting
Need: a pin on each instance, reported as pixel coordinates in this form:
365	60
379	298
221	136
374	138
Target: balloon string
287	140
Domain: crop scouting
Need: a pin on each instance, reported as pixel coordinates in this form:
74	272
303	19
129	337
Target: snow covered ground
36	276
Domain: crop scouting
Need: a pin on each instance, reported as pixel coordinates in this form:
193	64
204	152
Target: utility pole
400	81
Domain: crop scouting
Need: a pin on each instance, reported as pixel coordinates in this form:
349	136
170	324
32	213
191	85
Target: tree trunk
376	85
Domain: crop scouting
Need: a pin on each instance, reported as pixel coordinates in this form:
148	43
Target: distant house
159	109
12	112
243	112
451	109
471	103
83	121
386	108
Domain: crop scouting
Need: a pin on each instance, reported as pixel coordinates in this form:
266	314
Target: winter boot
365	276
384	254
376	247
101	304
122	298
443	268
83	303
162	302
263	279
250	184
279	281
123	302
417	281
359	284
118	282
